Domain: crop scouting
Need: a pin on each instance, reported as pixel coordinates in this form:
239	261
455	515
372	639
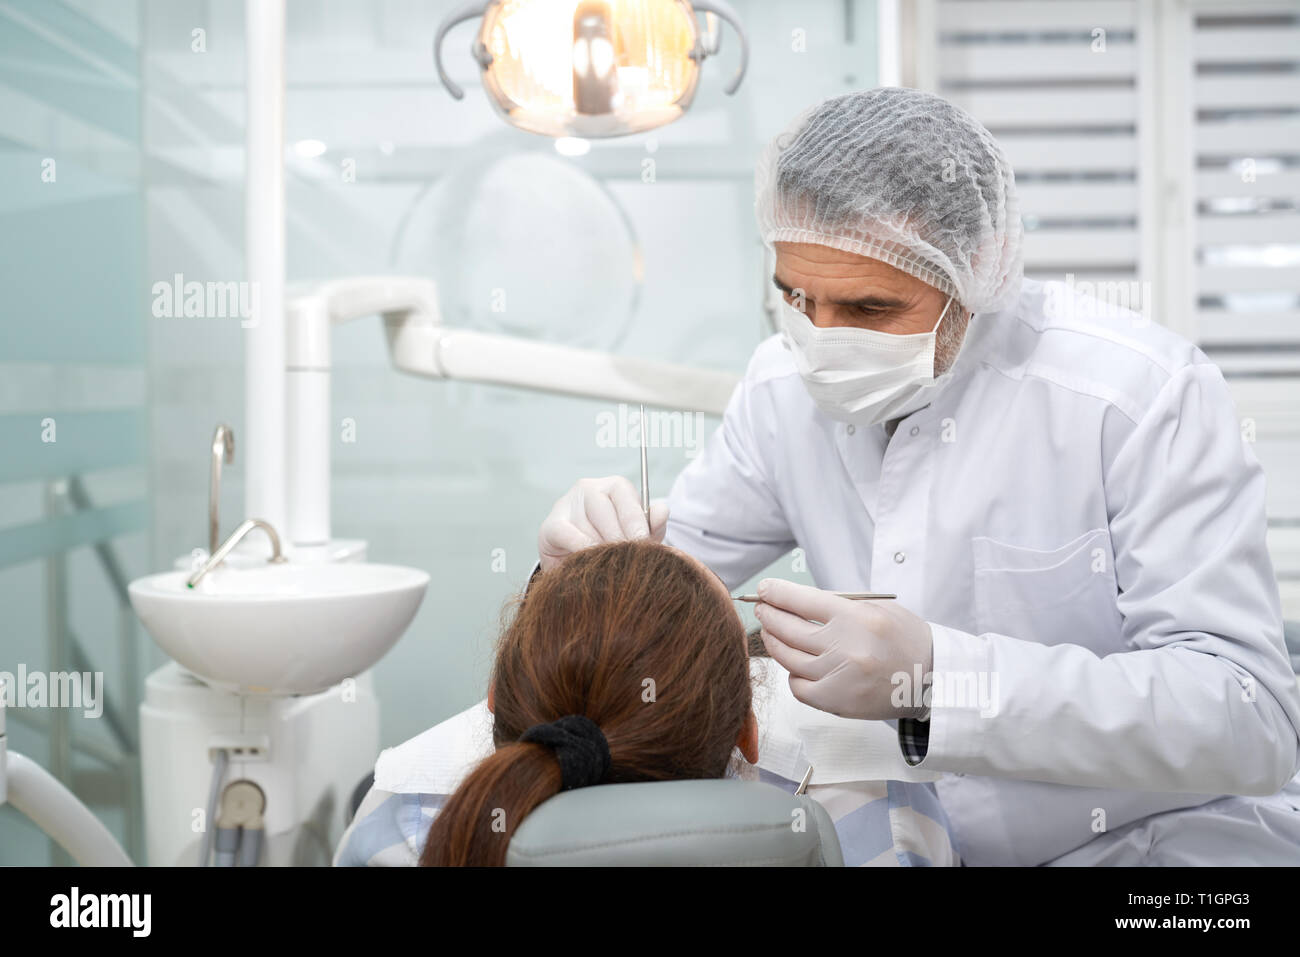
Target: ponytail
474	827
484	813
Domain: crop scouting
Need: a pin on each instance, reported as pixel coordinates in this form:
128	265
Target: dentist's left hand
849	665
595	511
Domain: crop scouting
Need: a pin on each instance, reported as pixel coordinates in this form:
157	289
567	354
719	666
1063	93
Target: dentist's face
836	288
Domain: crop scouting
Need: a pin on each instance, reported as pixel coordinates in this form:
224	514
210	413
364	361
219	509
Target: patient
640	640
631	658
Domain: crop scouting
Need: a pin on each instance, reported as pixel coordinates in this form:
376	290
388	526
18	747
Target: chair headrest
724	822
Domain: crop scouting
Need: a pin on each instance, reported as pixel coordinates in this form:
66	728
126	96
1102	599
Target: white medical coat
1077	515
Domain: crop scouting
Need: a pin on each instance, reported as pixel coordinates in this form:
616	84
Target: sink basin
280	629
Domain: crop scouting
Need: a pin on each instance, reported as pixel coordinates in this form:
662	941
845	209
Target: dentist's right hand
595	511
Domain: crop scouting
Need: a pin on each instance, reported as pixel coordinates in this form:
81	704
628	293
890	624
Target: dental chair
716	823
713	823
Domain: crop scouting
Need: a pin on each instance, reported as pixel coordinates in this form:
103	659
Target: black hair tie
579	746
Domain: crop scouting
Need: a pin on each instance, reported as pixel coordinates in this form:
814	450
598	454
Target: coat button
916	430
900	557
851	430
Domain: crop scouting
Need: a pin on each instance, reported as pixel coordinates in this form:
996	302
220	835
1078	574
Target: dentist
1057	491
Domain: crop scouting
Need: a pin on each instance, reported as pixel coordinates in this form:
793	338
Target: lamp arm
721	8
427	349
418	343
468	11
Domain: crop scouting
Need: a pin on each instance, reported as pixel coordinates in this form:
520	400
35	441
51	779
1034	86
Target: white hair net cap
903	177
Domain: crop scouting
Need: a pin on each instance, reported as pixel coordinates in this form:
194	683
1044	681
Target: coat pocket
1064	595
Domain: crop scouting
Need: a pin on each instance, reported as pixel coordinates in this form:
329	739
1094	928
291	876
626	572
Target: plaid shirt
914	738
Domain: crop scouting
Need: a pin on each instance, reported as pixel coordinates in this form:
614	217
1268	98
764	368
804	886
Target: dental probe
850	595
645	473
803	785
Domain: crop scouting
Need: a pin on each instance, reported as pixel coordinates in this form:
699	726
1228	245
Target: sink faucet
219	556
223	449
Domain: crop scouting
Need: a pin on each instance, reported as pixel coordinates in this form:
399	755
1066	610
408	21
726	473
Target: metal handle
467	12
223	450
724	10
219	556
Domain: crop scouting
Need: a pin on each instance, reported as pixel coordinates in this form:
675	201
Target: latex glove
850	665
595	511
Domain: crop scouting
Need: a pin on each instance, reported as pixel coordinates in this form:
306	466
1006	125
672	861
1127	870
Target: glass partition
74	405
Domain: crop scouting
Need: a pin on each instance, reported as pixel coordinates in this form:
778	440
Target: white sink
280	629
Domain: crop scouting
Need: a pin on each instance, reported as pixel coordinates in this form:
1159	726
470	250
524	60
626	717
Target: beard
948	339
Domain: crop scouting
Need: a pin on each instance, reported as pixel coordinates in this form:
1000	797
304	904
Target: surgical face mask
862	376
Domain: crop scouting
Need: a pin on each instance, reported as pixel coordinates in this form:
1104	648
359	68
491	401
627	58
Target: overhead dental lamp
591	68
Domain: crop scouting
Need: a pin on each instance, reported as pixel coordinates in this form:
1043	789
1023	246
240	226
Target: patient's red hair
637	638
